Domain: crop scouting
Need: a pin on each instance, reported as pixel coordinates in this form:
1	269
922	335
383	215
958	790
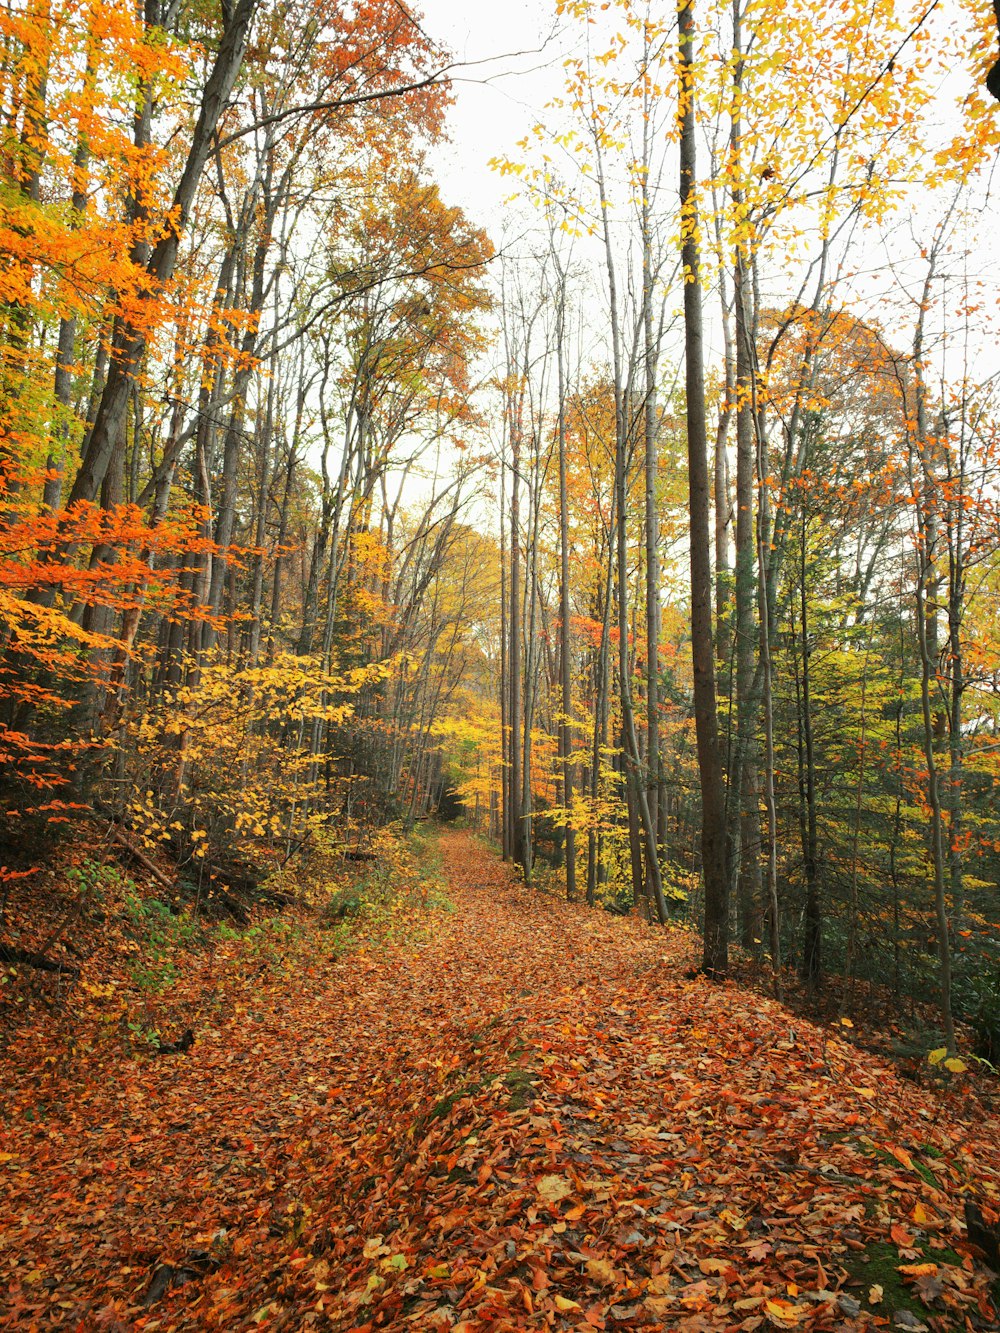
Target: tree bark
715	958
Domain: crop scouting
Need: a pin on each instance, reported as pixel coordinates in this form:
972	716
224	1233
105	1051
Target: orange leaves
900	1236
901	1156
612	1198
785	1314
46	596
61	258
554	1188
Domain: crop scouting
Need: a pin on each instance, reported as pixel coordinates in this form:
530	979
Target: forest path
527	1117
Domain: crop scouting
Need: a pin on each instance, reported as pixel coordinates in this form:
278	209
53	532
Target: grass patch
389	900
878	1266
927	1175
922	1169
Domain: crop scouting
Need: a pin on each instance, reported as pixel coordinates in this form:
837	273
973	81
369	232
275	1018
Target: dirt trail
527	1119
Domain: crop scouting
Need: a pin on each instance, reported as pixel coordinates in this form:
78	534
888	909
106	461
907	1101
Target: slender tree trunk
651	441
56	464
770	804
722	499
506	816
519	833
565	638
713	799
640	815
812	946
928	498
595	867
743	809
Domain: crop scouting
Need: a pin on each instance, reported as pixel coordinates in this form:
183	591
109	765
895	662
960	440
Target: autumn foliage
646	535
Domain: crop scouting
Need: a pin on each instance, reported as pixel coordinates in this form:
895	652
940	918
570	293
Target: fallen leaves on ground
529	1118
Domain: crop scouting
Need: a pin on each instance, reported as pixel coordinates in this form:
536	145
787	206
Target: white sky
496	103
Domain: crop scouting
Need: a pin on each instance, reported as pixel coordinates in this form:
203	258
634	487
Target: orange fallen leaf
600	1270
714	1265
783	1313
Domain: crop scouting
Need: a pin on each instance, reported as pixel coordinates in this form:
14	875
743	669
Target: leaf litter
532	1117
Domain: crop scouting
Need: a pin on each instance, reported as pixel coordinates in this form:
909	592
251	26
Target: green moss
927	1175
442	1108
519	1081
878	1265
922	1169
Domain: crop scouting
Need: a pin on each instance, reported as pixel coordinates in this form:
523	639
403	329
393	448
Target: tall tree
715	959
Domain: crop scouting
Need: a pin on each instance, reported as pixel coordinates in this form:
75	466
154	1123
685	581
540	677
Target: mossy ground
878	1266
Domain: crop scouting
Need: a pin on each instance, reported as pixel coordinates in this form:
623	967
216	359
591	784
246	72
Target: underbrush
136	963
874	1019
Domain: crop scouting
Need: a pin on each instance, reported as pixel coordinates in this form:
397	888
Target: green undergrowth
923	1169
875	1271
154	966
391	897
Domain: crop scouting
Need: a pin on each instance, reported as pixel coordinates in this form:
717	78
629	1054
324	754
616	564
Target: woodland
499	715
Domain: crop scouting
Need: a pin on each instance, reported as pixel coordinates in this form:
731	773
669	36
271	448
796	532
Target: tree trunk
713	800
565	641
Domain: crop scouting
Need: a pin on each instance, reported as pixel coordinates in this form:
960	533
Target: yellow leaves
98	991
554	1188
733	1220
564	1304
953	1063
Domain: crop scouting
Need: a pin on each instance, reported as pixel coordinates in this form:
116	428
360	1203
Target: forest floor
523	1115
